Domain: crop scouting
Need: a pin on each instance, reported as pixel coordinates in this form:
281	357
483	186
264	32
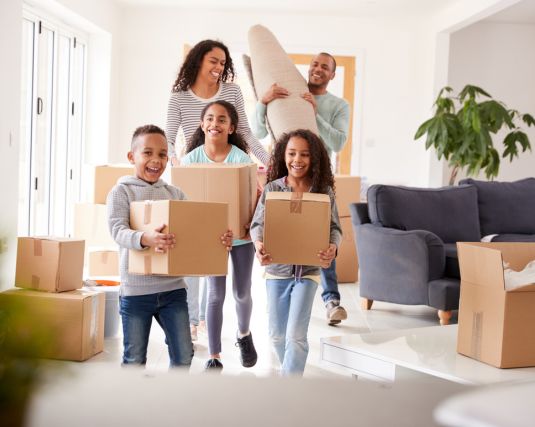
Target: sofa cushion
449	212
505	207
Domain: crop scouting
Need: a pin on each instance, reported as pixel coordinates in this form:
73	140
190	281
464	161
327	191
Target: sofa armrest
396	265
359	213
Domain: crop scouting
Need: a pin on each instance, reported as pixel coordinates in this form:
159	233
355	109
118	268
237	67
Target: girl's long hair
197	139
192	64
320	166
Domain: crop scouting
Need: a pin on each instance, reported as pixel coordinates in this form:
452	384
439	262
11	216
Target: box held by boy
73	320
296	227
495	324
50	264
235	184
197	226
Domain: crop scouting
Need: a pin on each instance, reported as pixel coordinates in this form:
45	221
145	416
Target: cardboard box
347	192
296	227
104	179
91	225
496	325
198	227
234	184
73	320
50	264
104	263
347	263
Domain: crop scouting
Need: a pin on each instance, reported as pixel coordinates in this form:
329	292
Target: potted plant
461	131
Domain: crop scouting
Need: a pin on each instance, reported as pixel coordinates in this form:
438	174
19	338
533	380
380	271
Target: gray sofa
406	237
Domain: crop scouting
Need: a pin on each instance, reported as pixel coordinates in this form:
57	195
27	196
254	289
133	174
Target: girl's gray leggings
242	265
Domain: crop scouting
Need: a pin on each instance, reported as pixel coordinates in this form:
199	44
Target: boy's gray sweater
127	190
257	231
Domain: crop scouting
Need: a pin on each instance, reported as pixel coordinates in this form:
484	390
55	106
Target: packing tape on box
296	202
147	212
37	247
147	264
477	331
104	257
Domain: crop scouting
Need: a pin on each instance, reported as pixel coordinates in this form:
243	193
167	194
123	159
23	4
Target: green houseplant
461	131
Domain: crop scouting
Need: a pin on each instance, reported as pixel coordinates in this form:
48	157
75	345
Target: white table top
430	350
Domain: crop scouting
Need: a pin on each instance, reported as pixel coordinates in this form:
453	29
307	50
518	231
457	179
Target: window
52	121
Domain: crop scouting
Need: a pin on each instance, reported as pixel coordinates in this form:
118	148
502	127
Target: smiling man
332	117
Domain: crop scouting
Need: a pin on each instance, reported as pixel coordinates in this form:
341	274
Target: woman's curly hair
320	165
197	139
192	64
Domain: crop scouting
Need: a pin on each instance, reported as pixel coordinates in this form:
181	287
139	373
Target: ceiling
331	7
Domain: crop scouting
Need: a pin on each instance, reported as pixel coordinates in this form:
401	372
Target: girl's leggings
242	262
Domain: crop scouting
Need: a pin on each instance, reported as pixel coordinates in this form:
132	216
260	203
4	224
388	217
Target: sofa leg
366	304
444	317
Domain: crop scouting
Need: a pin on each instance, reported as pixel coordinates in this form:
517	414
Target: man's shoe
213	365
248	354
335	312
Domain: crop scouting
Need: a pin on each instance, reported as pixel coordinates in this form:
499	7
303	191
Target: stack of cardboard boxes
50	269
347	192
90	221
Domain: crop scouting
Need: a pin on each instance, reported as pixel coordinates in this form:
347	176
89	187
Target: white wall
394	61
10	52
499	58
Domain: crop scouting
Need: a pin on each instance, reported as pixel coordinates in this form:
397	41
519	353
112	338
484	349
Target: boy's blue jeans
290	306
329	283
170	309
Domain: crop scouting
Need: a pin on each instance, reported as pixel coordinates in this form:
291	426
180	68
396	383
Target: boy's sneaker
248	354
335	312
193	331
213	365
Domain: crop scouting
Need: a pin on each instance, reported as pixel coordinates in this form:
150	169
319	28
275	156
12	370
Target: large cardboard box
496	325
73	320
198	227
51	264
347	263
347	192
234	184
91	225
103	263
296	227
104	178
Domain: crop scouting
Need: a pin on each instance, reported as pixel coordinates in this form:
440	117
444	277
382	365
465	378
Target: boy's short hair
145	130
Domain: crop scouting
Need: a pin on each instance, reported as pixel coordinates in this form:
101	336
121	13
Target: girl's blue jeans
290	306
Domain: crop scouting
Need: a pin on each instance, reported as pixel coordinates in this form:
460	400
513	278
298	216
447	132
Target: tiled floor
383	316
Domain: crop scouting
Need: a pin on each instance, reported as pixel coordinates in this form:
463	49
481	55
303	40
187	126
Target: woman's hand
307	96
263	257
226	240
327	256
161	242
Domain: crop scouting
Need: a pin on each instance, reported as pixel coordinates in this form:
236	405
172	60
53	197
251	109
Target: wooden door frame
348	63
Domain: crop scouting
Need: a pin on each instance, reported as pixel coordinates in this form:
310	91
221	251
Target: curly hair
320	165
197	139
192	64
